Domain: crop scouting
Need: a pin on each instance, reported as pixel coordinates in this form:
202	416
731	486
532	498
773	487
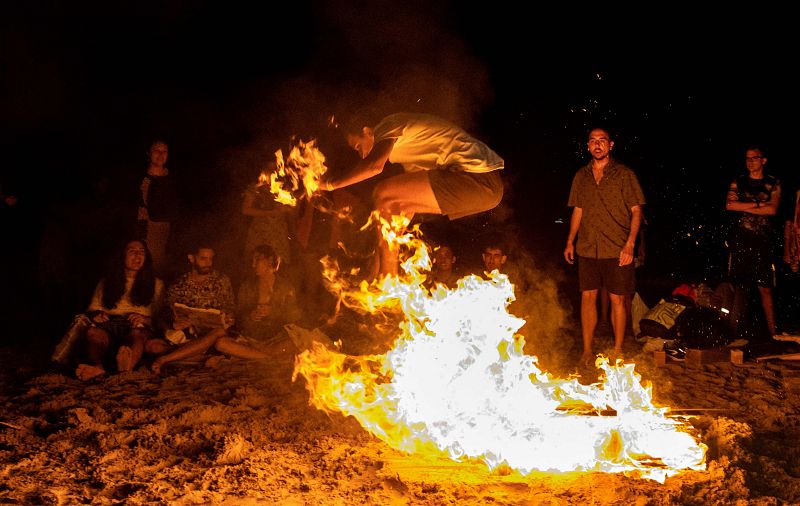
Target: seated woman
121	312
266	300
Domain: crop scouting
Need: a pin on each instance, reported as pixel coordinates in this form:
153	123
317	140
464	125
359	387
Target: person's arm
249	207
574	225
789	242
96	312
732	202
769	208
641	251
626	255
227	301
369	167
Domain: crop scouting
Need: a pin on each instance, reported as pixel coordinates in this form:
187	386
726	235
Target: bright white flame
456	381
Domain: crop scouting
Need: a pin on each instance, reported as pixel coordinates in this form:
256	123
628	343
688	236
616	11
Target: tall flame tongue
456	381
299	176
305	164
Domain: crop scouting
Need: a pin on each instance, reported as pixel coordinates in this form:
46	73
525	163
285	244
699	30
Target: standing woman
121	312
158	205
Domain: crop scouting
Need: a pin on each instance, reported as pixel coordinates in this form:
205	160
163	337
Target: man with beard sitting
201	288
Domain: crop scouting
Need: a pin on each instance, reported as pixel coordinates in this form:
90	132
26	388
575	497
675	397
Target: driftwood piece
781	356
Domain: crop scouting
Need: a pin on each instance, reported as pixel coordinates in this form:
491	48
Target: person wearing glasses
753	199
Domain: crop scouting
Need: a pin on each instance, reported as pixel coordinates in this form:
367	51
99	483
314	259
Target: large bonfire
457	382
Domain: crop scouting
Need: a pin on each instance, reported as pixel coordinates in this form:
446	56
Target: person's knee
222	344
616	300
156	346
589	295
214	334
383	198
138	336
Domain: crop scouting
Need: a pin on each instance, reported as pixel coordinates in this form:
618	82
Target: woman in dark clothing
158	205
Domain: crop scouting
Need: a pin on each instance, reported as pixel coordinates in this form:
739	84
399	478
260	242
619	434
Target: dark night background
84	87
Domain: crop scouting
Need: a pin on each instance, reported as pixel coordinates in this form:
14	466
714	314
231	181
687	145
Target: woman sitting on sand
121	312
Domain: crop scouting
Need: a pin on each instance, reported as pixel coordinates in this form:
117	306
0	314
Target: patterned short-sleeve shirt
213	292
606	219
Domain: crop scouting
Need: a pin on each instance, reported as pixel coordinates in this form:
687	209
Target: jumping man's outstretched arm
370	166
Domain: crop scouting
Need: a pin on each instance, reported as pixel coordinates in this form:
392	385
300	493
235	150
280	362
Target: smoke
364	56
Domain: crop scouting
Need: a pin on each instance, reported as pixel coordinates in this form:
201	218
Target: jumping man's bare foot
124	359
85	372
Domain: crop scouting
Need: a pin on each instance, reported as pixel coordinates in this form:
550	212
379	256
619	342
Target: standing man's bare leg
769	308
588	323
619	319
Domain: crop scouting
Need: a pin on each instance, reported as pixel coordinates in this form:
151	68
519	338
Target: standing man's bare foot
85	372
124	359
586	359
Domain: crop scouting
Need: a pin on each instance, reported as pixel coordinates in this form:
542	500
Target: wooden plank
696	357
784	356
787	337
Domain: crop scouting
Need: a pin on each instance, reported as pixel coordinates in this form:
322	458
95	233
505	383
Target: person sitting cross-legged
121	312
202	288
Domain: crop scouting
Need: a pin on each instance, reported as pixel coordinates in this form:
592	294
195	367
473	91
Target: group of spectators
445	172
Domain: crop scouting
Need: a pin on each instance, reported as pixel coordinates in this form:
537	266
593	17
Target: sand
243	433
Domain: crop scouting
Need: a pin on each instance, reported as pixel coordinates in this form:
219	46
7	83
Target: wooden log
696	357
737	357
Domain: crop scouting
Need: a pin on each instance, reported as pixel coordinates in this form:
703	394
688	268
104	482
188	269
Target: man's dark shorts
596	273
460	193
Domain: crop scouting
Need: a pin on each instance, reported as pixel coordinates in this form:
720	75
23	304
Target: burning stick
299	176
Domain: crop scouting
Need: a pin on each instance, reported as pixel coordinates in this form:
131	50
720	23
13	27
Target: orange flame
305	164
456	381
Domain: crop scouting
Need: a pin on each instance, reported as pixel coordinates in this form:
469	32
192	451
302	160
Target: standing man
754	199
607	211
447	171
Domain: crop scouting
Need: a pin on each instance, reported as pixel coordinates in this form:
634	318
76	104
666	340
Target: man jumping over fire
447	171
